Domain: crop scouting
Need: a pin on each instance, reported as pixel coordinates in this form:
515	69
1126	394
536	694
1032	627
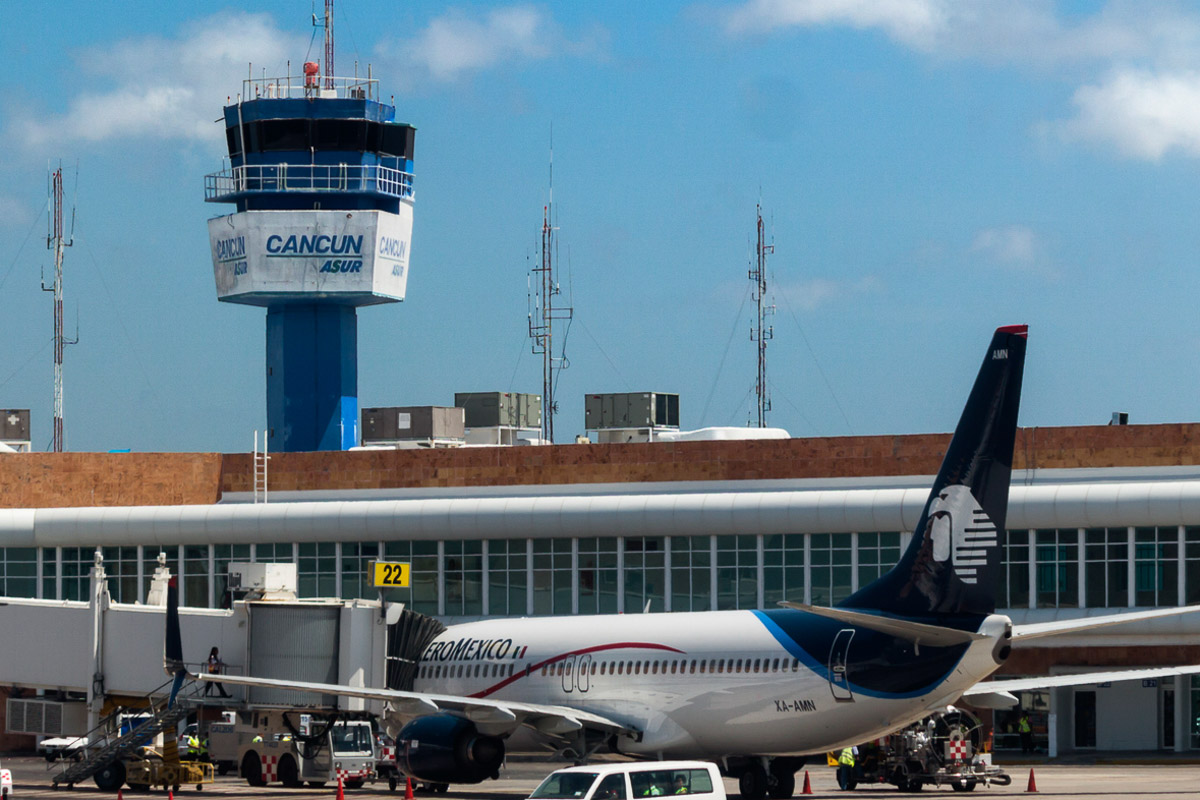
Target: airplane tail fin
952	564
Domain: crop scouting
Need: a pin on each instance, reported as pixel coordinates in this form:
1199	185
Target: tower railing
310	86
228	184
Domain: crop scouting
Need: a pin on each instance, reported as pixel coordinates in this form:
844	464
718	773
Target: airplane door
568	677
583	678
839	679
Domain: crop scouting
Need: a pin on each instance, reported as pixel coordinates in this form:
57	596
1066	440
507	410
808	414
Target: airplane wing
1036	630
999	693
496	717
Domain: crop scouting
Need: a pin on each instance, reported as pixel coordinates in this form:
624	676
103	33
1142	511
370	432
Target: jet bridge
96	650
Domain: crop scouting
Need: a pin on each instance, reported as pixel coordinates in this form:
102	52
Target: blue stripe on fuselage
876	646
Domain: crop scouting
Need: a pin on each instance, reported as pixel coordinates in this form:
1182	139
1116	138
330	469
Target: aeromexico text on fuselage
474	650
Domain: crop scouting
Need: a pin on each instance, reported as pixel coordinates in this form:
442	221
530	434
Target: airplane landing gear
752	783
759	777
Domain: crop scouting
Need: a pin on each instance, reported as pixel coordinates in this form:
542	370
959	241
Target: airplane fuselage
712	684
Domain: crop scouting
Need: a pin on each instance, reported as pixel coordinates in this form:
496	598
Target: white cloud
812	294
1146	106
1143	114
1014	247
166	88
457	44
910	21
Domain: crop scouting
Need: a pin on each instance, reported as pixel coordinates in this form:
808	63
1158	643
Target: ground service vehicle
266	746
946	748
622	781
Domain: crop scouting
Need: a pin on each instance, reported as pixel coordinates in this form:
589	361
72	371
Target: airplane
756	691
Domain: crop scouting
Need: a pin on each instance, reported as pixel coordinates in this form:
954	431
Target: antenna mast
762	332
329	44
543	313
57	242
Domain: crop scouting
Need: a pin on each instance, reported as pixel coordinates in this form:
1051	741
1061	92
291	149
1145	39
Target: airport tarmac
32	780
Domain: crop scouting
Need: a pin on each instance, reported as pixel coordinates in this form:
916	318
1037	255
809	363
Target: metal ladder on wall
103	748
260	469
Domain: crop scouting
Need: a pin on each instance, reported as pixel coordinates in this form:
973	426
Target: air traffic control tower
321	176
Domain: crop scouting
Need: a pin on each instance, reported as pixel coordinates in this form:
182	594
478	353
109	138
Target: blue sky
929	170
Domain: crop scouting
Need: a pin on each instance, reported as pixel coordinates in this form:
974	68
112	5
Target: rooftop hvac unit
638	410
500	409
430	424
14	428
47	717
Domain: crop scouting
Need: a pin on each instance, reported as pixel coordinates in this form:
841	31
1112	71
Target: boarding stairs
106	745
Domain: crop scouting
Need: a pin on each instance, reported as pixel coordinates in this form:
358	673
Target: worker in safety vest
193	747
1026	730
846	762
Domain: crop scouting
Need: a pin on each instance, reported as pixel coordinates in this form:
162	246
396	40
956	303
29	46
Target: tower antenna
329	44
56	241
762	332
544	312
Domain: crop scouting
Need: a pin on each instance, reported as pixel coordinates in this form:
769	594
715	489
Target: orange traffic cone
170	794
408	792
807	785
119	795
1032	787
341	795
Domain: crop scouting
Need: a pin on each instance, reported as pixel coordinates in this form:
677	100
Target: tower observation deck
320	174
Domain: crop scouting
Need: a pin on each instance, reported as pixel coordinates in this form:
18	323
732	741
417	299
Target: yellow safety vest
847	757
1023	725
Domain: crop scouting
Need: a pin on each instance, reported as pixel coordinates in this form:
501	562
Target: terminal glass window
195	576
645	574
830	568
1194	717
423	576
120	570
783	568
877	553
318	569
76	568
507	577
464	578
1015	570
1191	538
737	572
223	555
274	553
18	571
356	563
551	576
691	573
49	573
1107	563
597	575
1057	568
1156	566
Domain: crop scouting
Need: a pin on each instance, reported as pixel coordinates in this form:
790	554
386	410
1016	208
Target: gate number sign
389	574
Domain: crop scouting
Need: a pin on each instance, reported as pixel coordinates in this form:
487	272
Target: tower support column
312	377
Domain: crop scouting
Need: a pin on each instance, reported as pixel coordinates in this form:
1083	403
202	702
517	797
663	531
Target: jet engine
447	749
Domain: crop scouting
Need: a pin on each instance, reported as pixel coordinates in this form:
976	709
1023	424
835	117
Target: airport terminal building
1100	519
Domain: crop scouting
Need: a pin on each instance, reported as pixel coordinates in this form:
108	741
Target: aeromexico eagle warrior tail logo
958	537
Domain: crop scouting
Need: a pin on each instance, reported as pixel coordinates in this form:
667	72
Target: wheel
111	778
752	784
963	785
846	779
139	787
441	788
355	784
289	773
784	784
392	782
223	768
252	770
316	784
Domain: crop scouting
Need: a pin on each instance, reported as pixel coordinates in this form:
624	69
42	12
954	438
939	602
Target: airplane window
703	662
674	667
637	668
593	668
758	665
543	669
655	667
621	668
479	670
646	667
795	665
776	667
739	666
720	662
693	669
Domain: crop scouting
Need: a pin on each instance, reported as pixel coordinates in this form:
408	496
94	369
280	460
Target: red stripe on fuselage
524	673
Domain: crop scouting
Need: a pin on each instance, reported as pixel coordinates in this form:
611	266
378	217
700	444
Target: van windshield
565	785
351	738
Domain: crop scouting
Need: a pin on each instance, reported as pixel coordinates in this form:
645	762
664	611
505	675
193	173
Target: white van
633	780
